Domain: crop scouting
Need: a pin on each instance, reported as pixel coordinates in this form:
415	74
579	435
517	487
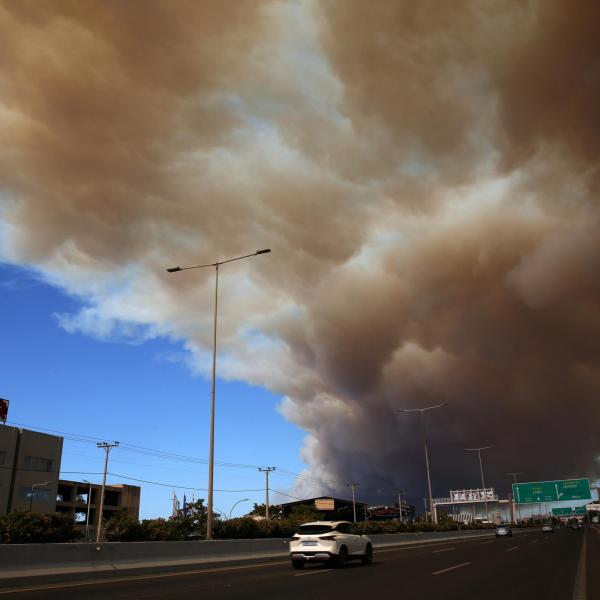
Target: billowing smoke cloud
427	176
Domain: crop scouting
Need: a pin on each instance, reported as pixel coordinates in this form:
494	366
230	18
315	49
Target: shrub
123	528
29	528
161	530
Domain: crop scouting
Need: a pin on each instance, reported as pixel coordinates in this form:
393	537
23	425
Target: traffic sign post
562	490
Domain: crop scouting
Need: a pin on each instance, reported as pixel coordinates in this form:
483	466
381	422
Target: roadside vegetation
22	528
27	528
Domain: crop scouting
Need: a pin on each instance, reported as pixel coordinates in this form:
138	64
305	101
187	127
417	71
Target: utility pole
107	447
514	503
400	518
266	471
353	486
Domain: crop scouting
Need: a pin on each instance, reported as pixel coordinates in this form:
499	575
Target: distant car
334	542
503	531
547	528
576	525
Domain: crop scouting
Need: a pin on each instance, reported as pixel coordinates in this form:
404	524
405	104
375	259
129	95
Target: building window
36	463
80	516
64	493
112	498
39	494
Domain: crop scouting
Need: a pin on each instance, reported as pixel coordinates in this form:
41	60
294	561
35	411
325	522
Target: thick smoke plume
426	174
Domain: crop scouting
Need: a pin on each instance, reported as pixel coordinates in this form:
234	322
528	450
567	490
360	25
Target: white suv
329	541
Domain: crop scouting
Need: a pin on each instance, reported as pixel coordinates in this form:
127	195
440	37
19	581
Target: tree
27	528
304	514
259	510
161	530
123	528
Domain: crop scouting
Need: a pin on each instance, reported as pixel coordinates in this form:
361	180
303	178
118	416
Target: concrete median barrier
23	560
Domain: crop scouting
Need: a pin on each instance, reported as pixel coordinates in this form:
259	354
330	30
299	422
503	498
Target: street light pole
33	492
238	502
211	450
478	450
421	412
87	516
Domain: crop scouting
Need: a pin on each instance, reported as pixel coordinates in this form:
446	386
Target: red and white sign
325	504
4	409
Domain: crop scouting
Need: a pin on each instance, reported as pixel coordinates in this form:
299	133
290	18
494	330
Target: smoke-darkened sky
426	174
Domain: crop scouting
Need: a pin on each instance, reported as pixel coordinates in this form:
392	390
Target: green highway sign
551	491
562	512
581	510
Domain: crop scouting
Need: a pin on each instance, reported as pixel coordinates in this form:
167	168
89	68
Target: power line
53	472
288	495
183	487
134	448
128	462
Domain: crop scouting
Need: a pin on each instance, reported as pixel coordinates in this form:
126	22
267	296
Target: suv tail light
294	538
329	538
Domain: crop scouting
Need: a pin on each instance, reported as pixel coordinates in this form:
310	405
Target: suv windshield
314	529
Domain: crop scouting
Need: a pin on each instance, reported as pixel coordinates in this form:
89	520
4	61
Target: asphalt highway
529	566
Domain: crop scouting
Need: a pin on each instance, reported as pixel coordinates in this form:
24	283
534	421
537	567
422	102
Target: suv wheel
341	559
367	558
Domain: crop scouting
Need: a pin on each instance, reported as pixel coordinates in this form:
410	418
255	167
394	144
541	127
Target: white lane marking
451	568
57	586
444	550
512	548
313	572
425	545
580	589
484	543
534	541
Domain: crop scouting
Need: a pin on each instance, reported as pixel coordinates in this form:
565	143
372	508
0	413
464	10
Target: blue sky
426	249
142	394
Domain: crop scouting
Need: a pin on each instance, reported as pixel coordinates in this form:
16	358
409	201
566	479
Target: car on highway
334	542
503	531
547	528
575	525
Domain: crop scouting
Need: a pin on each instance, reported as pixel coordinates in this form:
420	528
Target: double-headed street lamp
216	265
478	450
421	411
